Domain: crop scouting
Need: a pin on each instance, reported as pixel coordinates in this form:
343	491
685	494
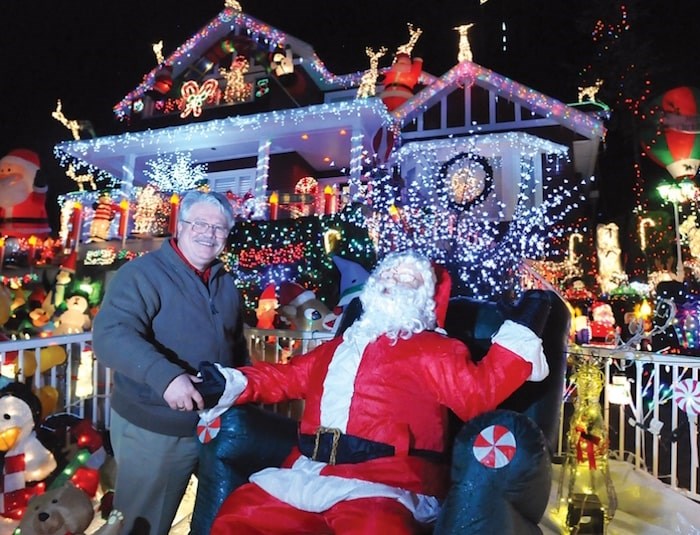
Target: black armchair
501	464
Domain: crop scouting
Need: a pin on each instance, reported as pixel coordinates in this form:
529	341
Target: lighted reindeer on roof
368	83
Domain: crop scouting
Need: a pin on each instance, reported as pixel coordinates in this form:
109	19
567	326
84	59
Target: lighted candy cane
573	239
686	395
195	96
643	224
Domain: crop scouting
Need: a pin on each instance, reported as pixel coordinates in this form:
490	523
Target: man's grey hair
218	201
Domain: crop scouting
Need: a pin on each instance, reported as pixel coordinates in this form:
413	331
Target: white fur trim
302	486
527	345
339	384
236	383
302	298
16	160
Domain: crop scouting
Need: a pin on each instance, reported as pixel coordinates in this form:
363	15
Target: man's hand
181	394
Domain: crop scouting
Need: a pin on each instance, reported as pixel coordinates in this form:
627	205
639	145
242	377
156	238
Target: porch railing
656	431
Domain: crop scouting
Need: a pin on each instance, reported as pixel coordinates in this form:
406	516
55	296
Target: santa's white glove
236	383
526	344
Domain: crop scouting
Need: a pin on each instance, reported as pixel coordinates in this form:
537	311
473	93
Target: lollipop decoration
686	394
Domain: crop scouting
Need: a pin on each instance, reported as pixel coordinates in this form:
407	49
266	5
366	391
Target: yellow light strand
414	34
368	83
465	50
158	51
72	124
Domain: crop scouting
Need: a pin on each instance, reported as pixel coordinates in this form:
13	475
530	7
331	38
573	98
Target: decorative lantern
585	487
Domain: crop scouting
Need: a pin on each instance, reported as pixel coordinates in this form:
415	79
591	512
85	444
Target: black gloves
532	310
213	384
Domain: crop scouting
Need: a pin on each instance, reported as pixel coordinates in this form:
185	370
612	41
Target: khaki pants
152	475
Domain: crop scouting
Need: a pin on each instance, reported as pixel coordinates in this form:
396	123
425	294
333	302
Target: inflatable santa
372	444
400	80
22	198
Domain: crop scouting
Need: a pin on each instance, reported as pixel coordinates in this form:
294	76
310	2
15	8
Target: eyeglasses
408	278
200	227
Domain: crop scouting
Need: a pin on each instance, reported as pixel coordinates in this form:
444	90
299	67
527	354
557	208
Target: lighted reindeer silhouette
414	34
465	50
590	91
368	83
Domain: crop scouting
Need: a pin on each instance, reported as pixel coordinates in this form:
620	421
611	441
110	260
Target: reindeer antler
72	125
414	34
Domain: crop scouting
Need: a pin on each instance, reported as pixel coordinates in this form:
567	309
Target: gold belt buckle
334	446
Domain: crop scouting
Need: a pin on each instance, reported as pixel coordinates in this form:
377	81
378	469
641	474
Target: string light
176	172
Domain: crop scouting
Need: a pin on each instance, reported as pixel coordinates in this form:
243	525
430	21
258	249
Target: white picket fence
656	431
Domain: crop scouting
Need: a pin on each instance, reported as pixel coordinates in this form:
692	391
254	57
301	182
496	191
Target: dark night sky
90	53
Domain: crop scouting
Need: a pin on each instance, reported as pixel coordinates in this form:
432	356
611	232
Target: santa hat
293	294
30	161
352	277
23	157
69	264
268	292
443	287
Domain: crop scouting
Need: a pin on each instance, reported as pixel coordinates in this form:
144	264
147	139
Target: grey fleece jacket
159	320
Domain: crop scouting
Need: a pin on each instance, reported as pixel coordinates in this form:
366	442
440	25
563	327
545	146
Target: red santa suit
22	202
400	80
375	394
26	218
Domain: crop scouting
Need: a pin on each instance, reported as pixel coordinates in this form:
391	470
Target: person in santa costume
371	455
22	199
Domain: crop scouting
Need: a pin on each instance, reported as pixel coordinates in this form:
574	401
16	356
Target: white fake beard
391	310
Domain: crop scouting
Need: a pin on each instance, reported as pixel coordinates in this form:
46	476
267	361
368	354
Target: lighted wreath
469	180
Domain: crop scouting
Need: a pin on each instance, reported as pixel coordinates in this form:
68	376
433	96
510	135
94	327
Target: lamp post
676	193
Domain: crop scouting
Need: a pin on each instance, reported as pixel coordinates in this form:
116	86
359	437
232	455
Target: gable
470	98
255	68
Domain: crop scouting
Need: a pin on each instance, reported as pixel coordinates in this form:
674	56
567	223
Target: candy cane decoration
643	224
195	96
573	239
686	394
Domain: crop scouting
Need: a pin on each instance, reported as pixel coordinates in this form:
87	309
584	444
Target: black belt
402	86
331	446
41	220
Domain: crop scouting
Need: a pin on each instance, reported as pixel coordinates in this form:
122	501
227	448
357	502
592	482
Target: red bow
590	441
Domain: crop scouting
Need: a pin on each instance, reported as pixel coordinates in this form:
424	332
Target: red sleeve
468	388
273	383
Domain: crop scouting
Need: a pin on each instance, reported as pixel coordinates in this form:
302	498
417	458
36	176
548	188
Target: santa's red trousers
249	510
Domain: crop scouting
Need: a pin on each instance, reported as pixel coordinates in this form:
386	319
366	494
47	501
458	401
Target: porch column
263	169
127	180
354	181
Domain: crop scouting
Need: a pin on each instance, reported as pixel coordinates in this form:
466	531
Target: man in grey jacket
162	315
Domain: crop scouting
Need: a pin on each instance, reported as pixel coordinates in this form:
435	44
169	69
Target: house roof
468	72
240	23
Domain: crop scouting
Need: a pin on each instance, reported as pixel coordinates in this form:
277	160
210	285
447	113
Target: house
260	109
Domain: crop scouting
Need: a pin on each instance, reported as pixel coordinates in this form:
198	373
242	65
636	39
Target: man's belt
331	446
